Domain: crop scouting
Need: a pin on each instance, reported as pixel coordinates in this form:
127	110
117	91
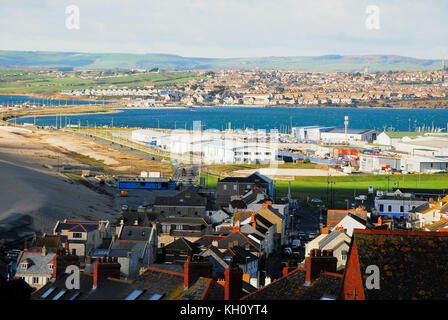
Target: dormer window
24	265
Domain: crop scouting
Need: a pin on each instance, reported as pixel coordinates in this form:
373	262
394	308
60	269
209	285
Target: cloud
231	28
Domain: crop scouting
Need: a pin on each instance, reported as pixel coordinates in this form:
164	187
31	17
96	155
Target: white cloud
231	28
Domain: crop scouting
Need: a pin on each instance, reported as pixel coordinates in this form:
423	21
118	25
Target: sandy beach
34	197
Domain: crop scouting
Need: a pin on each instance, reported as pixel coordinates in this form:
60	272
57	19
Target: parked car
287	252
124	207
302	234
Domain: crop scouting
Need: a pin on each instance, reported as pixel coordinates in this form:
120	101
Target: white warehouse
215	147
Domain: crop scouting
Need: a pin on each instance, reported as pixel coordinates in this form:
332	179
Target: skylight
47	293
56	297
74	296
156	297
134	295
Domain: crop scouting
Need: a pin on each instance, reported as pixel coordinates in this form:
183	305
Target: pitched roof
184	220
135	233
208	239
77	226
249	179
412	264
182	244
37	263
188	197
240	255
292	287
166	284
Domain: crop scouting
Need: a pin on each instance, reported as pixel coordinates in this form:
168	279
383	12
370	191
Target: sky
228	28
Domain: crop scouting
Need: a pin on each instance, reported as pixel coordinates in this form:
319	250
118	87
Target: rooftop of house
184	220
135	233
208	239
77	226
240	255
182	244
292	287
253	178
441	225
38	263
188	197
412	264
154	283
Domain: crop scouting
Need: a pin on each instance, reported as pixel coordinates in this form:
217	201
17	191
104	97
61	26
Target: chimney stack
61	261
195	268
233	286
290	266
103	269
317	263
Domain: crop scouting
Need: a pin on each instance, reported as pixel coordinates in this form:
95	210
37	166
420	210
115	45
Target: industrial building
333	134
214	147
371	162
146	183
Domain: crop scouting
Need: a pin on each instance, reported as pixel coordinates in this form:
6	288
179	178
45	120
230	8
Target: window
389	208
156	297
35	280
235	187
401	208
24	265
74	296
47	293
381	207
60	294
344	255
224	187
77	235
134	295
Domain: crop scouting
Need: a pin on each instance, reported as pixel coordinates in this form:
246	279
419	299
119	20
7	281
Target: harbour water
14	100
262	118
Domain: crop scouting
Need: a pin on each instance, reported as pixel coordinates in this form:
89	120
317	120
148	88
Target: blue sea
262	118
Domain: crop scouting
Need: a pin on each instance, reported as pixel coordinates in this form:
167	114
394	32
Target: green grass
346	187
30	82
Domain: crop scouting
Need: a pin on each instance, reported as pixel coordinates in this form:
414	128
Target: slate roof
249	179
184	221
241	239
216	254
108	289
182	244
208	239
412	264
135	233
188	197
38	264
240	204
168	284
50	241
77	226
240	255
291	287
129	217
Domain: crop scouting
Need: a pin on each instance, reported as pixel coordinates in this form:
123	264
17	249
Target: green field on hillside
31	82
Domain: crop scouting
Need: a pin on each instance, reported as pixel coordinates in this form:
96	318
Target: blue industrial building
146	183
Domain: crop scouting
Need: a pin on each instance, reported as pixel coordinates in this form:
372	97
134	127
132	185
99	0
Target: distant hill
97	61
